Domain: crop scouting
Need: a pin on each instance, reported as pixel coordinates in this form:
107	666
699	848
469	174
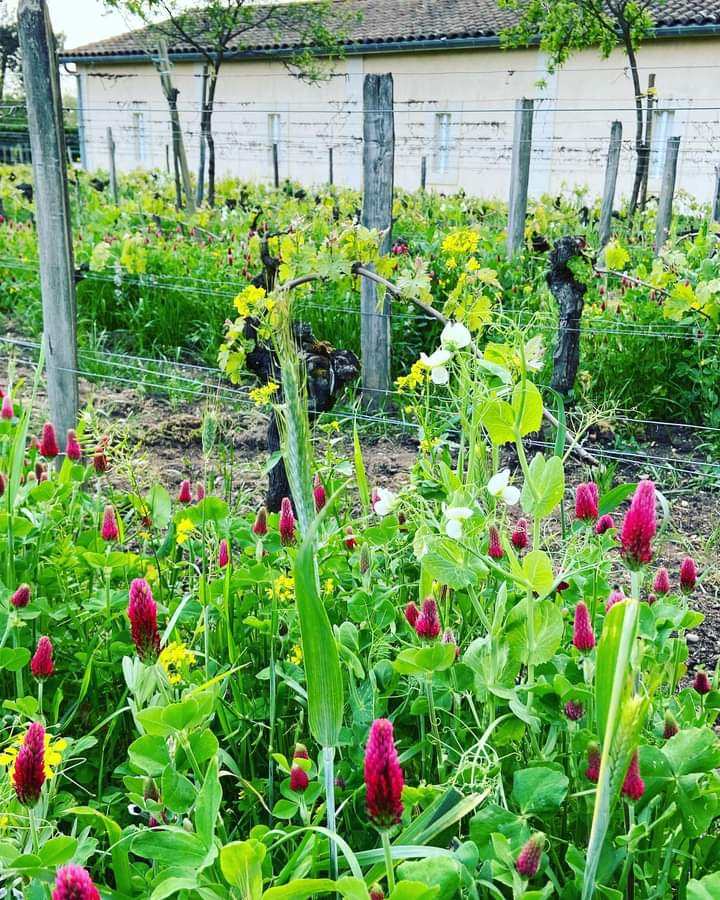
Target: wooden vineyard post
423	173
570	295
171	95
611	173
331	170
111	165
378	181
52	210
716	196
649	115
519	175
667	191
276	165
200	195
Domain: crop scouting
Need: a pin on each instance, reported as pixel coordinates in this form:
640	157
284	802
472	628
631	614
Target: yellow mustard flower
184	529
459	242
283	589
416	376
428	444
261	396
151	572
296	655
248	298
329	587
54	749
176	659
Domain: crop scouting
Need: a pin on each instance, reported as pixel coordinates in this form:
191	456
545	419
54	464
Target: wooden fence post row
52	210
667	191
378	181
611	173
519	175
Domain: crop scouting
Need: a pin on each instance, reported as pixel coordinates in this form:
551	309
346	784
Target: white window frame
138	129
442	143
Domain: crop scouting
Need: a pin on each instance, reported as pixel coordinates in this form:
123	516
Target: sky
83	21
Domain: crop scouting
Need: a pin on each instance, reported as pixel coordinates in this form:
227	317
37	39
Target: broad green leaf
178	792
527	404
208	804
499	421
14	658
549	625
537	569
539	790
168	846
414	890
118	847
425	660
707	888
607	653
545	486
150	754
58	850
446	562
241	864
693	750
440	872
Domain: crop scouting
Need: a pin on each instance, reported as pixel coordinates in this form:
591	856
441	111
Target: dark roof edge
458	43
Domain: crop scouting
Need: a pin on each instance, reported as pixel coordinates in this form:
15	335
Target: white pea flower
383	501
455	336
437	363
499	486
455	516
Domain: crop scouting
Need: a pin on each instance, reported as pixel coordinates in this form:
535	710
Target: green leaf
528	405
181	716
440	872
414	890
425	660
545	486
539	790
241	864
149	753
446	562
607	653
167	846
537	569
57	851
707	888
499	421
178	792
549	627
208	804
360	474
613	498
14	659
693	750
118	847
160	505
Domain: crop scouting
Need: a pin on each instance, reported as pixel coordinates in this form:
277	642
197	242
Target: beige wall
470	149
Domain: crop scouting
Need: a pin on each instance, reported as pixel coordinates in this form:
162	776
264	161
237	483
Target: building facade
455	93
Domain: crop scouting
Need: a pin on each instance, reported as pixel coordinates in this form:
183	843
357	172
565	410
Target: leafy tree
9	46
566	26
217	29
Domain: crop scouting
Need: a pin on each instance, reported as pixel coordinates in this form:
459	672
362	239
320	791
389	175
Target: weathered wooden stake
667	191
716	196
649	107
378	182
111	164
276	165
171	95
611	173
52	210
203	139
331	170
423	173
570	295
519	175
167	158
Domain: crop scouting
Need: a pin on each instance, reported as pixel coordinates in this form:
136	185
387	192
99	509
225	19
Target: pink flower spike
412	613
142	613
586	501
260	526
73	451
428	622
29	770
48	442
41	665
74	883
616	596
633	786
200	492
223	553
688	575
2	484
671	726
528	862
639	526
495	550
109	530
6	410
661	582
519	536
287	522
583	635
383	776
21	597
185	492
574	710
604	523
319	494
592	773
701	683
298	780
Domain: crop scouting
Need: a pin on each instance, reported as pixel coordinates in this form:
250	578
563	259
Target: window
442	143
663	128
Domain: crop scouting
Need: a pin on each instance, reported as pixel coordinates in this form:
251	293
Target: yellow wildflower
463	241
54	748
176	659
283	589
472	264
151	572
296	655
261	396
451	263
415	377
248	298
184	529
428	444
329	587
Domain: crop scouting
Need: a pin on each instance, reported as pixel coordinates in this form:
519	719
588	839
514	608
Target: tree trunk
201	165
209	139
640	148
